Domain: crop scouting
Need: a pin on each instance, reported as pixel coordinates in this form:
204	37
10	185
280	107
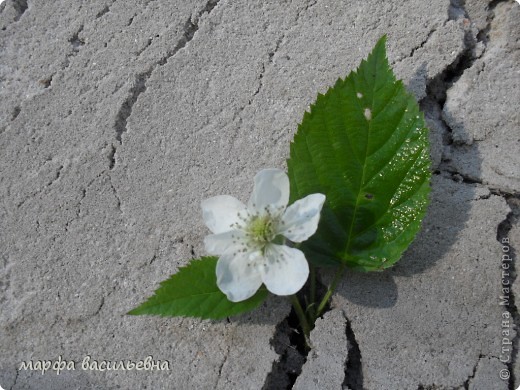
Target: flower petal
300	220
237	276
217	244
220	213
271	190
285	270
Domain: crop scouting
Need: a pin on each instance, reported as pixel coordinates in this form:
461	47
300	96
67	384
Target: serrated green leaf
193	292
365	146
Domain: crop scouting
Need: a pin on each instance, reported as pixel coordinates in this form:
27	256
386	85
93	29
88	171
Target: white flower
248	238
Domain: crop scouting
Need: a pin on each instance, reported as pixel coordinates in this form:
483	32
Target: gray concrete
514	244
429	319
325	365
480	109
486	373
118	117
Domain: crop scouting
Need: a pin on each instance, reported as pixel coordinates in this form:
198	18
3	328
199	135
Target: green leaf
365	146
193	292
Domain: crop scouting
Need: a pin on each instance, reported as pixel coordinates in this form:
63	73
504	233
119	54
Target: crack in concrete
271	54
483	34
265	66
139	85
103	301
80	201
15	379
432	387
424	42
473	373
105	10
461	178
289	344
116	195
152	260
156	254
226	357
260	85
58	174
458	177
112	157
456	9
131	20
20	7
84	194
238	114
437	87
149	42
75	41
308	6
353	365
100	307
505	194
436	90
40	190
262	72
415	48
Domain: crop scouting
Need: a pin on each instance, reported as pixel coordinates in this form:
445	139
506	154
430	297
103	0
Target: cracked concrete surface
325	365
478	106
117	118
428	319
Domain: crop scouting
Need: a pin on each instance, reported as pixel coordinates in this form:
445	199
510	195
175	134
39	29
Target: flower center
261	229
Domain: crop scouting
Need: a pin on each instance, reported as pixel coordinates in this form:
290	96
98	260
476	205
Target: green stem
301	316
312	304
330	290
